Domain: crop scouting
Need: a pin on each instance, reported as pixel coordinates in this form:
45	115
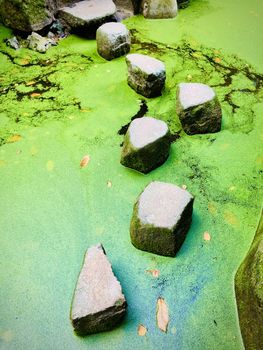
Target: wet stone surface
146	144
198	108
159	8
98	304
113	40
161	218
146	75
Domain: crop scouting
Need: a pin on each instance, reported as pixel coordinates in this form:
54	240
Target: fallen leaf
230	218
207	236
50	165
217	60
29	83
24	62
109	184
154	273
84	161
162	315
212	208
35	94
173	330
141	330
14	138
184	187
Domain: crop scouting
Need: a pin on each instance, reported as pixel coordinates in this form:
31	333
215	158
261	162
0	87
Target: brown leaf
154	273
207	236
162	315
141	330
84	161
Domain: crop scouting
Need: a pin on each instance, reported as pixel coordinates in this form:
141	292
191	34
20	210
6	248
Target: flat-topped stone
113	40
198	108
146	144
88	13
98	303
161	218
159	8
146	75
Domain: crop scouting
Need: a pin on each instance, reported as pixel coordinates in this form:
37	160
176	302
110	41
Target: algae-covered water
58	107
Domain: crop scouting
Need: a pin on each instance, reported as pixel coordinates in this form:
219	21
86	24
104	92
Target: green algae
51	209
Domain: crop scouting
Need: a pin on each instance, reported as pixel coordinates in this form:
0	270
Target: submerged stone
159	8
113	40
161	218
249	293
88	14
146	144
198	108
146	75
98	303
39	43
13	42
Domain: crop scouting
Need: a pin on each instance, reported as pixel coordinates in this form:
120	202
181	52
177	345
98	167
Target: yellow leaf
162	315
84	161
184	187
29	83
217	60
14	138
207	236
154	273
109	184
50	165
141	330
35	94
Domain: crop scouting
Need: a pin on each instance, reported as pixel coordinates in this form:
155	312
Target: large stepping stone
161	218
146	75
98	303
146	144
159	8
113	40
198	108
88	15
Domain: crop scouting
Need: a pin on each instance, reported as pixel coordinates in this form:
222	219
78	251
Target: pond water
60	106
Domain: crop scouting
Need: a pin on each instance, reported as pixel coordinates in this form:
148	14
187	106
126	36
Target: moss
249	293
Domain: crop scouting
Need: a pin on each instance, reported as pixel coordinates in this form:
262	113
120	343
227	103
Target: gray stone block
161	218
146	144
98	303
113	40
146	75
159	8
198	108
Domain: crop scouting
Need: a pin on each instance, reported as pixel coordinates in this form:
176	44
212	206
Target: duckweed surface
56	108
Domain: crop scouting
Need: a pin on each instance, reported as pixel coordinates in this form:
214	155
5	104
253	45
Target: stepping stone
161	218
159	8
198	108
146	144
113	40
146	75
98	303
88	14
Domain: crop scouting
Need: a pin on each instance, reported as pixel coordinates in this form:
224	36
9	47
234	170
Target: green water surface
56	108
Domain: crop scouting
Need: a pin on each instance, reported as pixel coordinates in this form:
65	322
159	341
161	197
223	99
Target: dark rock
113	40
249	293
198	108
146	144
161	218
159	8
98	303
146	75
27	15
183	3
